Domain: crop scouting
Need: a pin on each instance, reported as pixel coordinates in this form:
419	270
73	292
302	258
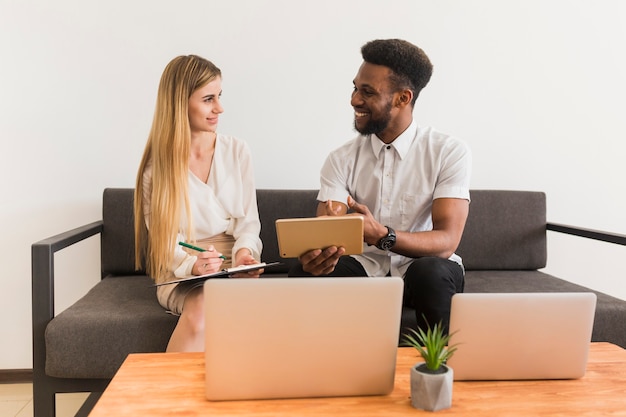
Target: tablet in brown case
299	235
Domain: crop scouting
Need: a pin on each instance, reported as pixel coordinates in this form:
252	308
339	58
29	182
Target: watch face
387	244
388	241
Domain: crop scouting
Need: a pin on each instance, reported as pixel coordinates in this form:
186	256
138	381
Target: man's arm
449	216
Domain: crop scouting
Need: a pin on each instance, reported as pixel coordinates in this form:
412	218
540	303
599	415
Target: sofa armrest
42	261
588	233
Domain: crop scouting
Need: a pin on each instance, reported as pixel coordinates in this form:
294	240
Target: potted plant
431	380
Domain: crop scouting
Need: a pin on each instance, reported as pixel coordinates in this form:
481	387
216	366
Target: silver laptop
301	337
510	336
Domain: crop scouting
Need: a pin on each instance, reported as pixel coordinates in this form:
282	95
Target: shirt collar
401	144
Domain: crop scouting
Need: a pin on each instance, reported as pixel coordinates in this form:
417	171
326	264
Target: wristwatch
387	242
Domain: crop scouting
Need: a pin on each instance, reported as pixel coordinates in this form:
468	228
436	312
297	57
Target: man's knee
427	265
432	272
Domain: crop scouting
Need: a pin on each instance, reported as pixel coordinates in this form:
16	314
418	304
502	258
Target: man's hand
373	231
331	208
321	262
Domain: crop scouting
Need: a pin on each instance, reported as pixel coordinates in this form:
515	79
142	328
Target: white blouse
226	203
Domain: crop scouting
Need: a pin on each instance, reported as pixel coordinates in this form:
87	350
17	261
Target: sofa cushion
117	316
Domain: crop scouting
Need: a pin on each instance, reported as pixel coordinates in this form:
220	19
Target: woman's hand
244	257
208	262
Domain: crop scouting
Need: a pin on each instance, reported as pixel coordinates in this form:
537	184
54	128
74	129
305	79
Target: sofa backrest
281	204
117	243
505	229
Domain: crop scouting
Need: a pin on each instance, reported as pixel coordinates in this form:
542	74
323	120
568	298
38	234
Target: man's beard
375	126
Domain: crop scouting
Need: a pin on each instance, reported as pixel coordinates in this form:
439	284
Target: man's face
372	99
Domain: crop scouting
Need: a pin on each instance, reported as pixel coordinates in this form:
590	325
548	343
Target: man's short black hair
410	65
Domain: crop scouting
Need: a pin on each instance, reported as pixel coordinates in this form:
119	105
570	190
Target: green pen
187	245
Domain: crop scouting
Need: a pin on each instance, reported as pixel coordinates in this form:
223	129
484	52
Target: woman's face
205	107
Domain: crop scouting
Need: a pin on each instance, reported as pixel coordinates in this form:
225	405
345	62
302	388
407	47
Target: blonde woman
197	186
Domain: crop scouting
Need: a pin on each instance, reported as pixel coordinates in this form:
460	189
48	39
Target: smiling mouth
359	114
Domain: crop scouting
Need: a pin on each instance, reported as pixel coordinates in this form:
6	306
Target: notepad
224	273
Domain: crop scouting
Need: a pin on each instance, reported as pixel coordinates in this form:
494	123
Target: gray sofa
80	349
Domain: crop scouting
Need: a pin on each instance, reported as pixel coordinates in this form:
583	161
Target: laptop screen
301	337
509	336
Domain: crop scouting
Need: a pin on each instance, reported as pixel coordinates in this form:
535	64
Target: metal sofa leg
44	399
89	404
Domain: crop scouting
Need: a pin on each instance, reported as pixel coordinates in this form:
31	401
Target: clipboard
224	273
299	235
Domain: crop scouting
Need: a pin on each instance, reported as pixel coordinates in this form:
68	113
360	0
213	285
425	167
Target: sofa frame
79	350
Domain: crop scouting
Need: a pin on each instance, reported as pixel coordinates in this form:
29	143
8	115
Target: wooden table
172	384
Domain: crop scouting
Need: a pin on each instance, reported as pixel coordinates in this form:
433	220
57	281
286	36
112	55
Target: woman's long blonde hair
167	151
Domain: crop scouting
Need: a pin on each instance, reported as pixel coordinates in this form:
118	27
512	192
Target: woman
196	186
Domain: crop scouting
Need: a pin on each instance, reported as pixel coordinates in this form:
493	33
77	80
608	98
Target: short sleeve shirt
398	183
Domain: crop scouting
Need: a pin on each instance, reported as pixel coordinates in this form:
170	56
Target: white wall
536	87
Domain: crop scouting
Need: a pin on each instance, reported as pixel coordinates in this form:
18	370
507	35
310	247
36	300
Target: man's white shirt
398	183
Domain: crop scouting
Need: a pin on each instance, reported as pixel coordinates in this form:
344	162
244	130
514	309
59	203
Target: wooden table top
172	384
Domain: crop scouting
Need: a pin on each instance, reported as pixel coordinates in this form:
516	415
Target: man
410	183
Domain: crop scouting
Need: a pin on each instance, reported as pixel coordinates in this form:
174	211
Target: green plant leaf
432	345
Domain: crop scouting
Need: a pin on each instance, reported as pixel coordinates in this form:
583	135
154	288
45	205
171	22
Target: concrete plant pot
431	392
